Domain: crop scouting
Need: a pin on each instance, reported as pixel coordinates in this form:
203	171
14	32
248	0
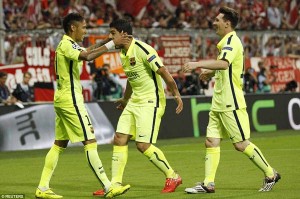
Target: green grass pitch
237	177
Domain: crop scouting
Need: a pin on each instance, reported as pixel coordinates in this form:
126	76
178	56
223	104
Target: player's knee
61	143
240	146
212	142
142	147
120	139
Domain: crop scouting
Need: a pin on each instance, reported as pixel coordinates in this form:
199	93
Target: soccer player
72	121
228	115
143	106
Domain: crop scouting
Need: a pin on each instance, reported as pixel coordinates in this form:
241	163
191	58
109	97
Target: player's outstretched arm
97	45
164	73
206	64
120	39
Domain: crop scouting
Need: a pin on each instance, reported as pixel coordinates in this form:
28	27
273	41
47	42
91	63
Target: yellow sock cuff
120	148
213	150
90	146
149	151
58	148
249	150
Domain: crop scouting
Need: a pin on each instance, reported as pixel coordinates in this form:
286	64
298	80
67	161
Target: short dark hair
3	74
71	19
27	73
230	15
121	25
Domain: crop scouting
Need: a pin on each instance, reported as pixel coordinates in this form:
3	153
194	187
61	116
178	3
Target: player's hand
121	103
187	67
122	39
206	75
179	102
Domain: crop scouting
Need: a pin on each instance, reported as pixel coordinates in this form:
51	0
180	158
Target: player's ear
227	23
73	27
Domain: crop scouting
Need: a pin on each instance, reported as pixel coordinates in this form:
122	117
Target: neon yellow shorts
141	122
232	124
73	123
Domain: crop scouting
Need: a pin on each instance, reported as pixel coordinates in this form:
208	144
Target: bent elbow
224	65
88	58
84	57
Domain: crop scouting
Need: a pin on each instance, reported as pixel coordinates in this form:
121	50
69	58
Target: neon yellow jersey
67	68
228	89
140	64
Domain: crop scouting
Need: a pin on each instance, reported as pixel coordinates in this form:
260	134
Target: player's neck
126	46
226	32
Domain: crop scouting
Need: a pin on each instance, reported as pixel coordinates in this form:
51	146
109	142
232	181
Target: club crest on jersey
132	61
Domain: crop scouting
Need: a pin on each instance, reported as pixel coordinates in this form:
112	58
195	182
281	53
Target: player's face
219	25
80	31
112	34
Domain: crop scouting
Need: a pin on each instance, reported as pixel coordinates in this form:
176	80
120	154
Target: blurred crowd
22	92
183	14
151	14
261	81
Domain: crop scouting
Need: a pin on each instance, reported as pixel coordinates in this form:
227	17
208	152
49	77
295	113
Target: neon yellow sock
258	159
96	164
119	161
157	157
49	166
212	160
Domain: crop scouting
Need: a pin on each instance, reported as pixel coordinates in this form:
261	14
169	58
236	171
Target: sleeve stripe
71	41
158	66
224	55
229	39
142	47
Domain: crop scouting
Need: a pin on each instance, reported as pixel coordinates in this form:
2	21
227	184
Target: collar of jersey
224	39
68	37
129	51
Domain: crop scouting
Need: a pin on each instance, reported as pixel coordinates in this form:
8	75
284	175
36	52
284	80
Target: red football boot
99	192
171	184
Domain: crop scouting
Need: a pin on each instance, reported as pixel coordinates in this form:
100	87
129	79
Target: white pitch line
227	150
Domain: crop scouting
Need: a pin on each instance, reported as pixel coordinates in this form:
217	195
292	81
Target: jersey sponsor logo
227	48
151	58
132	75
132	61
150	101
